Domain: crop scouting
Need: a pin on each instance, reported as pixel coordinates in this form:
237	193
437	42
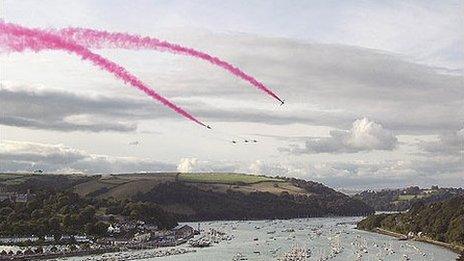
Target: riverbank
390	233
43	256
121	253
455	248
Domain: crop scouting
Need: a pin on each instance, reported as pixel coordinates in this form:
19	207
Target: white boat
296	254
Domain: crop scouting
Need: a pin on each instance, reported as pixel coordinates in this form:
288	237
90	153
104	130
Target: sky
374	92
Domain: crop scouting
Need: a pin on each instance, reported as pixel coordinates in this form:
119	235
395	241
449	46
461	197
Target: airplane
282	102
209	127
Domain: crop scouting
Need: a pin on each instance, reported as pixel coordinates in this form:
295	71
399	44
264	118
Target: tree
100	229
87	215
72	247
54	224
97	229
5	211
36	214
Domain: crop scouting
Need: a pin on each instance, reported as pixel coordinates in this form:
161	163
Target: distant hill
205	196
404	199
440	221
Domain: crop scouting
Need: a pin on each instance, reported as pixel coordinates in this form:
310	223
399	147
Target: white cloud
255	167
195	165
368	135
66	111
260	167
443	171
451	143
18	156
187	165
364	135
361	174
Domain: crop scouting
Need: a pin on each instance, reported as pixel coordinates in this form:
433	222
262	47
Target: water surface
270	239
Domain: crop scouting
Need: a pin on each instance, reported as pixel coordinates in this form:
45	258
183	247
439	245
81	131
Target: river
327	239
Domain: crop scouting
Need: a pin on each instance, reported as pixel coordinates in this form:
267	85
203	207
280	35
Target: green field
128	185
224	178
409	197
7	176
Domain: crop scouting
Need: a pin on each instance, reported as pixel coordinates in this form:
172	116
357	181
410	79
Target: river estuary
326	239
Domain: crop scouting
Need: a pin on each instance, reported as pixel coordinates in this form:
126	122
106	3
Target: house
128	225
160	233
16	197
142	237
113	229
65	238
149	227
169	240
4	196
23	198
82	239
183	231
9	240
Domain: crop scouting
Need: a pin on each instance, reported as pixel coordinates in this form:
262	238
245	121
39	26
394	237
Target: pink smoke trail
101	39
19	38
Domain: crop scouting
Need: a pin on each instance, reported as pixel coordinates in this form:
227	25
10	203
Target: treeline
404	199
66	213
233	204
442	221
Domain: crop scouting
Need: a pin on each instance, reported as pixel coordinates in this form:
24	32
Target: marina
296	239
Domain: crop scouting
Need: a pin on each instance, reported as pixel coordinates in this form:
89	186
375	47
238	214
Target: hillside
404	199
206	196
441	221
50	212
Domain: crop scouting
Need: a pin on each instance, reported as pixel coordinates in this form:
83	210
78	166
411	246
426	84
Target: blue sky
373	89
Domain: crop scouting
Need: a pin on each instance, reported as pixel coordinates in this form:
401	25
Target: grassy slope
410	197
126	186
225	178
221	188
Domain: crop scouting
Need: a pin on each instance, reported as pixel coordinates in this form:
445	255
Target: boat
201	242
296	254
239	257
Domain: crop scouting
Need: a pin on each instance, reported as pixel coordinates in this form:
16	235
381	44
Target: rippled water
320	235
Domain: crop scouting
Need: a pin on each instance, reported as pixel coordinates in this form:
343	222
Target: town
121	236
49	224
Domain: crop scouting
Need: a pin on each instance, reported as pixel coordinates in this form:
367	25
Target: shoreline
455	248
270	219
155	252
43	256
